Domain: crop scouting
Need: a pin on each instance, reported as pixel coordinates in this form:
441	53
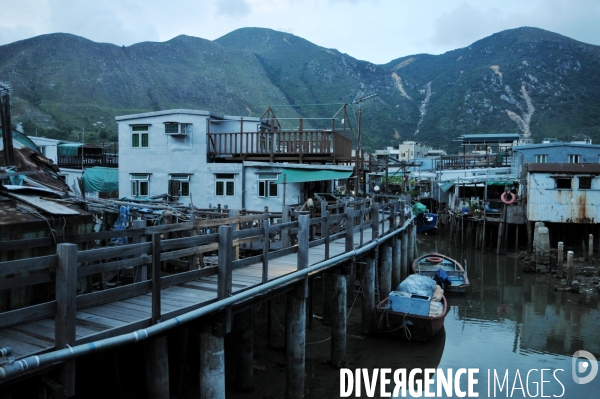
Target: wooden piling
326	299
157	368
404	253
385	271
338	320
295	331
397	272
368	305
244	350
212	365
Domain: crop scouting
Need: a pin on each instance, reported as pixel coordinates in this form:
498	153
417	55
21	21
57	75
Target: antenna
359	101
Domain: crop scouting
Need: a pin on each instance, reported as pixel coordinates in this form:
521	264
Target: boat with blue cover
442	268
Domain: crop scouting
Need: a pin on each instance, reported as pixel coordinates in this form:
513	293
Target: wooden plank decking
131	314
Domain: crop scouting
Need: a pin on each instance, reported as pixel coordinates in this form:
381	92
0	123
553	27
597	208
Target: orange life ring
508	202
434	259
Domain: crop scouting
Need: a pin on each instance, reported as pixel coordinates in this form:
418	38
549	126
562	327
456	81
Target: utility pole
82	145
357	186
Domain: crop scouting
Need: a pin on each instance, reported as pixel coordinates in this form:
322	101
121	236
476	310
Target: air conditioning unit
177	129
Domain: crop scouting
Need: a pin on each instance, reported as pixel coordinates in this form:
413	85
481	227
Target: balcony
318	146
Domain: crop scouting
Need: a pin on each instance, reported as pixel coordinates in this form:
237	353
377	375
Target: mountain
523	80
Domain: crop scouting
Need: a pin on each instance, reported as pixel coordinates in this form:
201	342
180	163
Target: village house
208	160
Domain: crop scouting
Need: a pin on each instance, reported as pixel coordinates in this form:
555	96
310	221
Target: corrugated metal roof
50	207
490	138
563	168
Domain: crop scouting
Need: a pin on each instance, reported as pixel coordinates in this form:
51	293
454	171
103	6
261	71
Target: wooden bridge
34	337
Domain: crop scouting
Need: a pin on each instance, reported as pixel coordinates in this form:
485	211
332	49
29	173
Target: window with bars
573	158
541	158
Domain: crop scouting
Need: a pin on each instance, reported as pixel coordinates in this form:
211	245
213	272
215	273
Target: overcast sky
372	30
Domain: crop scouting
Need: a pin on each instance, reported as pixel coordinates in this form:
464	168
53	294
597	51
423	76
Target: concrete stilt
244	350
212	365
591	247
157	368
570	256
338	320
295	331
560	257
368	306
397	272
385	271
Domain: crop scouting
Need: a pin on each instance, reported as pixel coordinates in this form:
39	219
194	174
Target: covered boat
416	310
444	269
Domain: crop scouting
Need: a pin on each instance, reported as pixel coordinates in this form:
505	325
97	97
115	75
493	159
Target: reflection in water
510	320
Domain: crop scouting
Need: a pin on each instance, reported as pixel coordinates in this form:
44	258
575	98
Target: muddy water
515	322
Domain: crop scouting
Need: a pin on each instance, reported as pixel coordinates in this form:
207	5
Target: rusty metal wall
546	203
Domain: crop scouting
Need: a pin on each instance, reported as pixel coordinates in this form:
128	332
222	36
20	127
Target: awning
446	186
303	175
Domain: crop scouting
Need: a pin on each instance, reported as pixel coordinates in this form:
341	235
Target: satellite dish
376	189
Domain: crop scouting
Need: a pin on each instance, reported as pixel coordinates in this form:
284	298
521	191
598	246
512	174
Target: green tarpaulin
418	209
68	149
303	175
100	179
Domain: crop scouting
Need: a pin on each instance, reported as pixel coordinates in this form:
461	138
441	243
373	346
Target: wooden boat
429	264
411	326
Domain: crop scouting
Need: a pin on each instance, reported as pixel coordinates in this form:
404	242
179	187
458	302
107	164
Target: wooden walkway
134	312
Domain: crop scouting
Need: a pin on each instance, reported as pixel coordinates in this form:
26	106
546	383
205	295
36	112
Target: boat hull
456	273
409	326
426	222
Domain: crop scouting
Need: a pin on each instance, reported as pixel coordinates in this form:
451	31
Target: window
573	158
179	185
139	136
266	184
541	158
140	184
563	182
225	184
585	182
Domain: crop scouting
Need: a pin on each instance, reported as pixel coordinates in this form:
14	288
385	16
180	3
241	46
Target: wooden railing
89	160
274	146
151	247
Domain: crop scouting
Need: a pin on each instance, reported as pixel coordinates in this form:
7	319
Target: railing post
296	319
285	233
349	242
140	273
303	241
327	238
156	312
266	243
225	269
235	227
374	221
66	309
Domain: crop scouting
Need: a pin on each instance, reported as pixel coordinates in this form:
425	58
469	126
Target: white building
411	149
204	159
